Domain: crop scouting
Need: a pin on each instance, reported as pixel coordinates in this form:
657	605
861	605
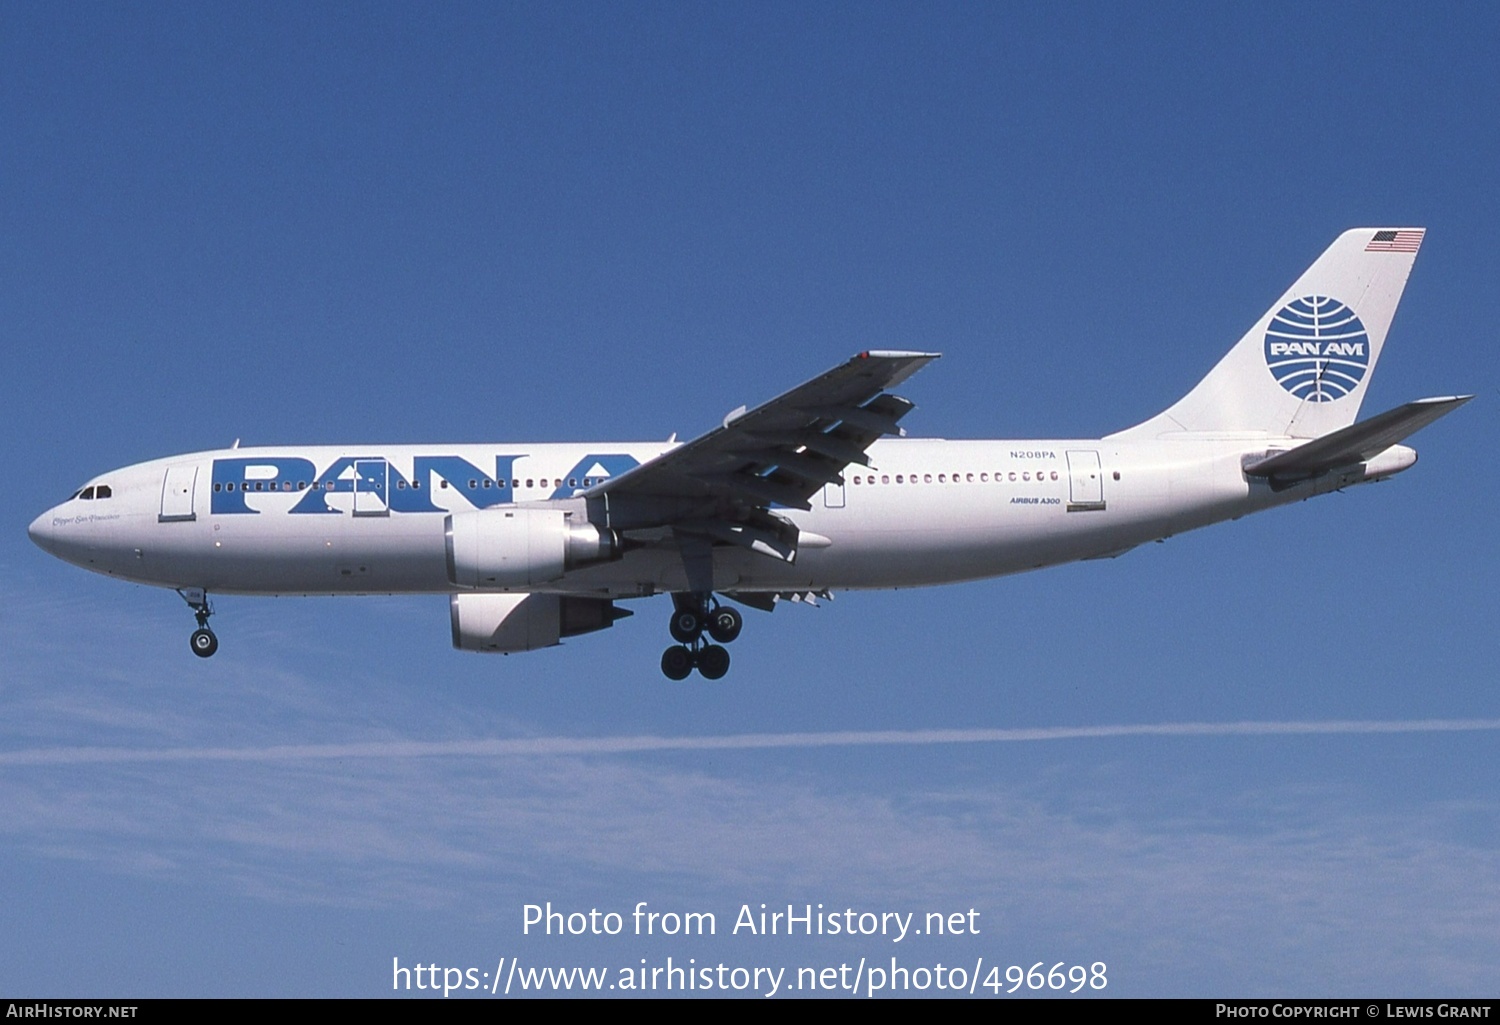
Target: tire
725	624
204	643
713	661
686	627
676	662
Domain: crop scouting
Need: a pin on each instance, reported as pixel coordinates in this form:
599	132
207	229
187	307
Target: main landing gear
692	616
203	642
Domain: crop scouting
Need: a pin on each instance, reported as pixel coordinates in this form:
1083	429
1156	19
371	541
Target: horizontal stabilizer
1357	442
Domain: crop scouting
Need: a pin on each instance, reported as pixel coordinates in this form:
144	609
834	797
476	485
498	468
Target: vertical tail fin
1302	370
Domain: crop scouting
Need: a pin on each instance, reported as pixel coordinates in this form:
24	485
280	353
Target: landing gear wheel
204	643
676	662
713	661
687	626
724	624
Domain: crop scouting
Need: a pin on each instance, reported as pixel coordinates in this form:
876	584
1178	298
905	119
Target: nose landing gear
692	616
203	642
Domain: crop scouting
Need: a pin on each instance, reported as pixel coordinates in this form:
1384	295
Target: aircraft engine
521	622
508	546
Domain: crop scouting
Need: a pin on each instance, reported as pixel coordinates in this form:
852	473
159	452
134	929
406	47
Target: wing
722	487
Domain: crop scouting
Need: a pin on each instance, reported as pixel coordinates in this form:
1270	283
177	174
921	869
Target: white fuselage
339	520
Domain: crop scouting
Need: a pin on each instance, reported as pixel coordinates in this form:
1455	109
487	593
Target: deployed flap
1356	443
780	453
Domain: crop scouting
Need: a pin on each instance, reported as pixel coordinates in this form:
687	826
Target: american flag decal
1396	240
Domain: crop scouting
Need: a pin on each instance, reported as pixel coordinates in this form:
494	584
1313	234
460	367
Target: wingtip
896	354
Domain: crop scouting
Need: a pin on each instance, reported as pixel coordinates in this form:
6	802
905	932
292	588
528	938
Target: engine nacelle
522	622
512	546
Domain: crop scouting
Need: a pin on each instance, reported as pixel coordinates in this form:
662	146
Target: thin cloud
572	746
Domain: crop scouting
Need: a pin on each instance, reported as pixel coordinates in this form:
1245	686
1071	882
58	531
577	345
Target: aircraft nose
40	531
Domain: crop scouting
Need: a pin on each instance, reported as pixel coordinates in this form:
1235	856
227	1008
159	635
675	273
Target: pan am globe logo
1317	349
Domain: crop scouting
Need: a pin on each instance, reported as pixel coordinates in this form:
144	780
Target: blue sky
315	223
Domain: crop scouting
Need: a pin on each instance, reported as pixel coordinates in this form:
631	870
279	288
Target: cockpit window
103	491
86	494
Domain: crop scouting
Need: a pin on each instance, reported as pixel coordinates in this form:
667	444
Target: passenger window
927	478
217	488
473	484
1054	475
572	482
529	484
488	484
984	478
400	485
443	484
885	479
942	478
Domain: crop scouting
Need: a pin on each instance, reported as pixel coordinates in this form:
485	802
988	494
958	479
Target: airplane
816	490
